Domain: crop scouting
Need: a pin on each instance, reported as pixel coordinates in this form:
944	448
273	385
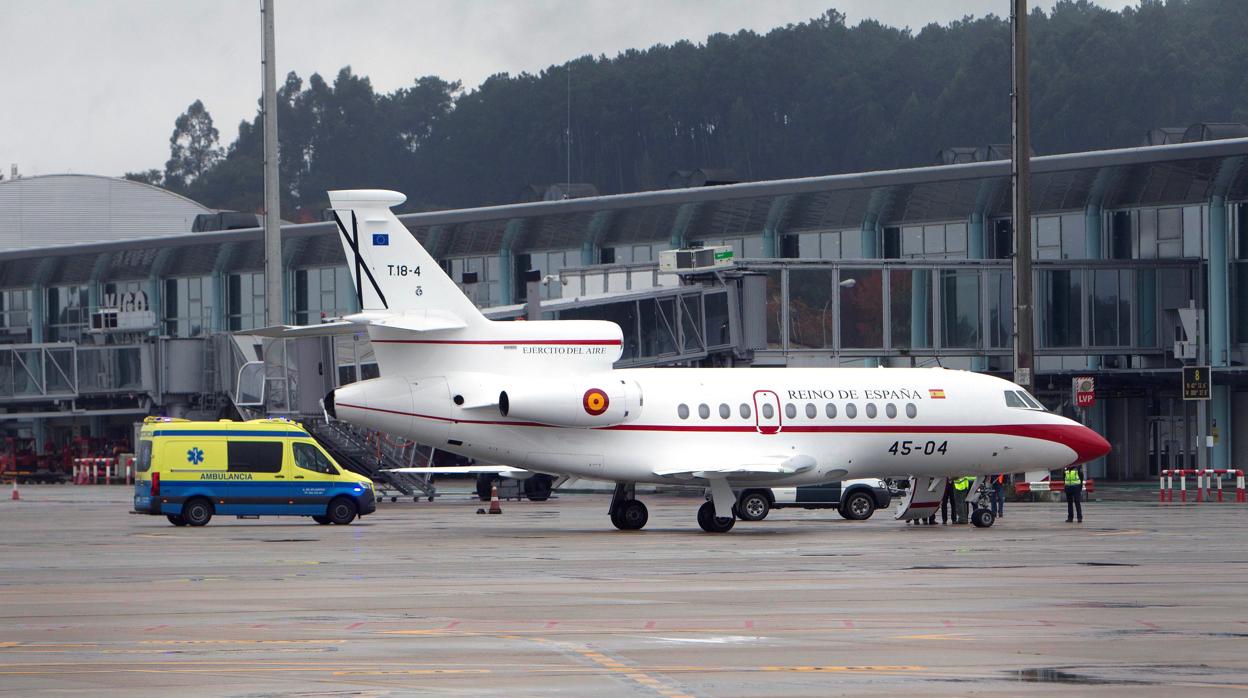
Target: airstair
373	454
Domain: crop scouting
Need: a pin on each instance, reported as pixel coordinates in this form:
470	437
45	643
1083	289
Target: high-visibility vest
1072	477
1000	479
962	483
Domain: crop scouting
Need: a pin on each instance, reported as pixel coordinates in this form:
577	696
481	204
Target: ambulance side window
143	461
255	456
309	457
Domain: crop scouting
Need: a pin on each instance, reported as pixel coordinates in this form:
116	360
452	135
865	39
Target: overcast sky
94	86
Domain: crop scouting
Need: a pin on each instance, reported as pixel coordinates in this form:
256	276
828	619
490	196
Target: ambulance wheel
175	520
859	506
753	506
197	512
712	523
322	520
341	511
630	515
983	518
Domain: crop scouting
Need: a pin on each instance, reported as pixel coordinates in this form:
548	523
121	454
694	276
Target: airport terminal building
111	308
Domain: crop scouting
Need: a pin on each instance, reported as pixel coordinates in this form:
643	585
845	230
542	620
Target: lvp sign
1084	388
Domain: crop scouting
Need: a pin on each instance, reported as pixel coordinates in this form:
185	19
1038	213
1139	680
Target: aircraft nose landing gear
982	516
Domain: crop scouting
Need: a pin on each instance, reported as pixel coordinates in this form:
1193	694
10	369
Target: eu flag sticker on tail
381	239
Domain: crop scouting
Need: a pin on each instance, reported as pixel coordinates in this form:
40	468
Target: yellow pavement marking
934	636
1119	533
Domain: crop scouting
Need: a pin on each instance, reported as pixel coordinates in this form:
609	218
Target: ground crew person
961	487
998	495
1074	493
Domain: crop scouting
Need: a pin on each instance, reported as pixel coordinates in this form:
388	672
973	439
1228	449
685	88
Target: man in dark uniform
945	501
1074	493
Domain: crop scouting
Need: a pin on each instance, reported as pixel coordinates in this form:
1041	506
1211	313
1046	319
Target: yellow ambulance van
191	471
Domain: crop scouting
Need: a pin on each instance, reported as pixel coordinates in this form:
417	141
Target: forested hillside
812	98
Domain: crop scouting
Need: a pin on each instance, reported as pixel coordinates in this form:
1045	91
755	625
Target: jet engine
599	400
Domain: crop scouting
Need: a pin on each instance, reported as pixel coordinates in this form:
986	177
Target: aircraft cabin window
790	410
851	411
725	411
768	413
703	411
1012	399
811	411
911	410
745	411
683	411
830	410
871	411
891	410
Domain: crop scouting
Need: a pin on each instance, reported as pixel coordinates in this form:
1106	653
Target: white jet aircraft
544	397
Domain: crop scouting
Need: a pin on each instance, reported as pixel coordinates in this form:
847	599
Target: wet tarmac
433	599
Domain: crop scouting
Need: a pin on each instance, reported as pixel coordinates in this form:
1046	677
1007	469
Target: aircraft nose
1086	443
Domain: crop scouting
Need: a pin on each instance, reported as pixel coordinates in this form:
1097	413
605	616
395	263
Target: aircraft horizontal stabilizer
327	329
430	321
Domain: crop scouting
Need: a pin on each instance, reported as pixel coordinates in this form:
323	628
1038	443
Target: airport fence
1208	484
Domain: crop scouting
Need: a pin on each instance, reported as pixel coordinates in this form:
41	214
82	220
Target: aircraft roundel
595	401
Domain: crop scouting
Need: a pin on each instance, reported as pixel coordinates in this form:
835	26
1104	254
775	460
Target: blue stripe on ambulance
235	498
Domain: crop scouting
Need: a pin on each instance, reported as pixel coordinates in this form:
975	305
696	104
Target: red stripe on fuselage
1087	444
499	342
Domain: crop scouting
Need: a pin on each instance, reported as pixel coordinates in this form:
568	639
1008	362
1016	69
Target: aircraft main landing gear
712	523
627	513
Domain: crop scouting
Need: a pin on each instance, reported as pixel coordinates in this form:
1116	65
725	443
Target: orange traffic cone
17	496
495	506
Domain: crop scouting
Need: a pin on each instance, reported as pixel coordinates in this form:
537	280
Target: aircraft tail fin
391	271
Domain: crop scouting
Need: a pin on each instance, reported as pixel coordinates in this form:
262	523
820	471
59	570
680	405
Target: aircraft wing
780	467
462	469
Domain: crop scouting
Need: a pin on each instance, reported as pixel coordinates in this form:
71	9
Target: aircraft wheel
537	488
712	523
753	506
983	518
484	482
631	515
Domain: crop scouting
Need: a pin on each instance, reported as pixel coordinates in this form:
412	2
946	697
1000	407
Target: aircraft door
767	412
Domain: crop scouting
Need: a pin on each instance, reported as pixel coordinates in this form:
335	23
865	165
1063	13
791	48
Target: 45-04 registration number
927	448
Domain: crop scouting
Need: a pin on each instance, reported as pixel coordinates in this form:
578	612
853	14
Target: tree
193	147
154	177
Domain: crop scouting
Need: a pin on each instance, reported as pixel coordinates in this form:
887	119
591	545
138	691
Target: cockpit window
1022	399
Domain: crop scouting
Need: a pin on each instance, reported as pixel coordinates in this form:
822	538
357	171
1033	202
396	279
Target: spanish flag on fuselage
936	393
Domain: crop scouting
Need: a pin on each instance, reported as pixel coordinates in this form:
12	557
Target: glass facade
323	292
15	309
67	313
188	306
244	300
